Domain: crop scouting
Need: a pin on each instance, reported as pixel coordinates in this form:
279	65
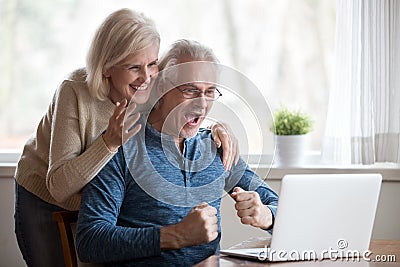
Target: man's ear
159	103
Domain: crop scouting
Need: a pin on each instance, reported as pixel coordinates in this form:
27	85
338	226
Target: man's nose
201	101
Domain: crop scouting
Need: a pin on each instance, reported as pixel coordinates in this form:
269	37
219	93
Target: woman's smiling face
133	76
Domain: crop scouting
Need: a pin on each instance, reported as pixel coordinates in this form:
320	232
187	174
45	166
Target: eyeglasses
190	91
210	94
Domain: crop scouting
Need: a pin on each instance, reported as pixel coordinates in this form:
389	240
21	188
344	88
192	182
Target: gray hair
170	64
184	48
123	33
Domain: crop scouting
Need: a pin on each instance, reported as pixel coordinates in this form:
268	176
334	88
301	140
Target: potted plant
290	129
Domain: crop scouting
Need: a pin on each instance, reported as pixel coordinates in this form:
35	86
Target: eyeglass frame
199	92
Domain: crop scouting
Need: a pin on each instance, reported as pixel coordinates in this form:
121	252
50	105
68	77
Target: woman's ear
107	73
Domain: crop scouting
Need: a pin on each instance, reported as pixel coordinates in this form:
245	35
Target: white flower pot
289	150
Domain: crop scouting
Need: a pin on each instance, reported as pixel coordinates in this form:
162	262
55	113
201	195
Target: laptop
320	216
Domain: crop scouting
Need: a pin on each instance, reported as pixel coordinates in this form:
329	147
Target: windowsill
389	171
7	170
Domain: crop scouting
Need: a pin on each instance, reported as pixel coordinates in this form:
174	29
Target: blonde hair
123	33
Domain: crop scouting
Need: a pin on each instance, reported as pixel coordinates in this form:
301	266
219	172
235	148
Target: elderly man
157	202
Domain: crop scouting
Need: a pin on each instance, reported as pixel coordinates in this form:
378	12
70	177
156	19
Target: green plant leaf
289	122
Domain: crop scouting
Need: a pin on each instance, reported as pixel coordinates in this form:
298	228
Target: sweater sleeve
71	167
99	238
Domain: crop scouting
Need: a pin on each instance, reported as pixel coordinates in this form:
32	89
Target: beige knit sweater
67	150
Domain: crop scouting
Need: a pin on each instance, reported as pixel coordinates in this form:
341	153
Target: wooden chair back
64	220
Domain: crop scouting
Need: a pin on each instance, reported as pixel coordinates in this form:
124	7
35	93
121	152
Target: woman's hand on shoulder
119	128
223	136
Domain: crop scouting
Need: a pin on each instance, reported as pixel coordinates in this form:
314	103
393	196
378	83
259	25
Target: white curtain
363	122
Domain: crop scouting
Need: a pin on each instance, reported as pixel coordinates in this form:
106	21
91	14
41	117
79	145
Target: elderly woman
83	129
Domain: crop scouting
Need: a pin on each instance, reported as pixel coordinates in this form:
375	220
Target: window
284	47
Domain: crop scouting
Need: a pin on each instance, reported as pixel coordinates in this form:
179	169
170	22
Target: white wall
9	252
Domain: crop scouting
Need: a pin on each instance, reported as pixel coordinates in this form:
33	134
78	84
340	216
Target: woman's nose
144	74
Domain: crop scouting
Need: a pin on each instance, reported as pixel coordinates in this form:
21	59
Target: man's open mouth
193	118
